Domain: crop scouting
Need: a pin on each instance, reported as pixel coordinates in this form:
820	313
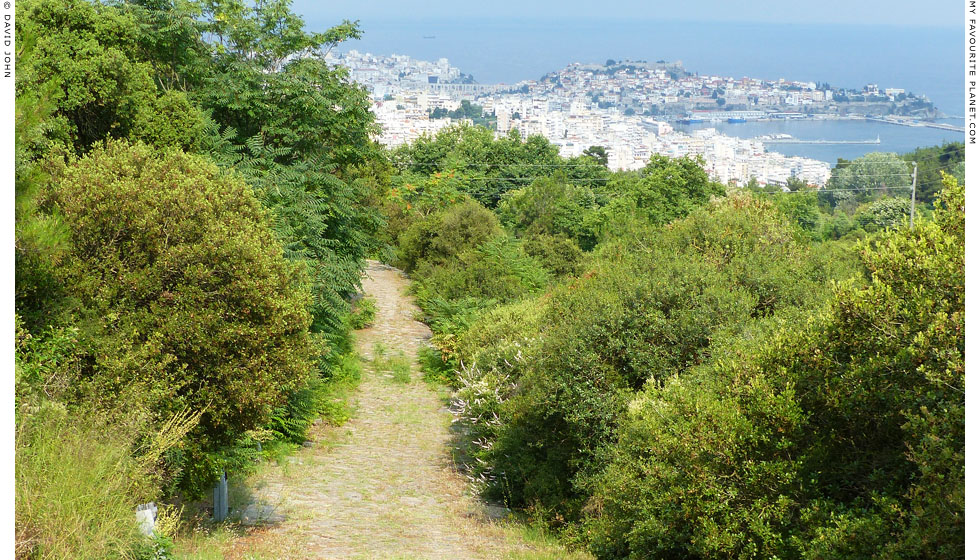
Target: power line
855	161
563	165
833	166
473	165
452	169
465	178
607	179
817	191
909	174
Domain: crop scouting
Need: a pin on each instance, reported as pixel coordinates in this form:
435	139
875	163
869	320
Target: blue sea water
923	60
894	138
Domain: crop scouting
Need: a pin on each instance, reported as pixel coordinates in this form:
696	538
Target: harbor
787	139
904	121
740	117
827	139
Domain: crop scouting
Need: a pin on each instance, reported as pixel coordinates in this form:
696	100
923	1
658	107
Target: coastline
887	119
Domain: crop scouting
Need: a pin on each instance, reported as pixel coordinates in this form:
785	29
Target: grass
77	484
395	367
205	543
334	402
362	313
434	369
535	532
400	368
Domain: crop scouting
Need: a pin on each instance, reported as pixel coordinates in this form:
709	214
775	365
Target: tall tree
300	132
869	176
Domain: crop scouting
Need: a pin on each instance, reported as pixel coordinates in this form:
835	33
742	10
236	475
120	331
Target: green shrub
666	189
497	270
653	501
650	306
841	438
81	470
491	166
362	313
882	214
436	368
323	398
182	294
860	180
558	255
501	333
443	235
549	207
292	421
46	366
449	317
838	225
801	208
334	401
490	358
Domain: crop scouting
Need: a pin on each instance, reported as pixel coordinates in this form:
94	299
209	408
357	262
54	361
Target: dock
914	123
799	141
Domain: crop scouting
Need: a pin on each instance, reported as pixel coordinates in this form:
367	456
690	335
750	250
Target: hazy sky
946	13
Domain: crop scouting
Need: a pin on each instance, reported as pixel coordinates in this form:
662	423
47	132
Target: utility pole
915	173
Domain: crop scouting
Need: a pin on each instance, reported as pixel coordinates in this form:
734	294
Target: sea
923	60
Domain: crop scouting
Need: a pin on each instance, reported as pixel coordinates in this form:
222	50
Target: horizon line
612	19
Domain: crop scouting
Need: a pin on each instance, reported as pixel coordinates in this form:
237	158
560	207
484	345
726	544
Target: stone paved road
383	485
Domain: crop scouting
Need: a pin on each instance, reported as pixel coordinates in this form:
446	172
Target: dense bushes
441	236
168	273
544	384
498	270
463	263
666	189
706	389
838	438
882	214
550	207
182	294
557	254
491	167
650	306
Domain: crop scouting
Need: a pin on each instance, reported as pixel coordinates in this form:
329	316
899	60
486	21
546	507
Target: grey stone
146	515
256	514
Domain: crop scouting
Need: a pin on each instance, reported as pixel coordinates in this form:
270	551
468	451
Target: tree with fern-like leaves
299	132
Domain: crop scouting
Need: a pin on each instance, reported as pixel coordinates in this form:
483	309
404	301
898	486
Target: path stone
256	514
384	486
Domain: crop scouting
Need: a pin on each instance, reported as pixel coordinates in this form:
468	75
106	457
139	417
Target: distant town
626	107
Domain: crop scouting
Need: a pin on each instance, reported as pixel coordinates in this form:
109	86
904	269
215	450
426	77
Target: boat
734	120
691	121
428	36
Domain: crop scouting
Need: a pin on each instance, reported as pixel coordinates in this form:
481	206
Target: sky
939	13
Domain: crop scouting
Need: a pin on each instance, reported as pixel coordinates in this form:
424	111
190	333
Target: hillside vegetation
652	364
193	212
662	367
